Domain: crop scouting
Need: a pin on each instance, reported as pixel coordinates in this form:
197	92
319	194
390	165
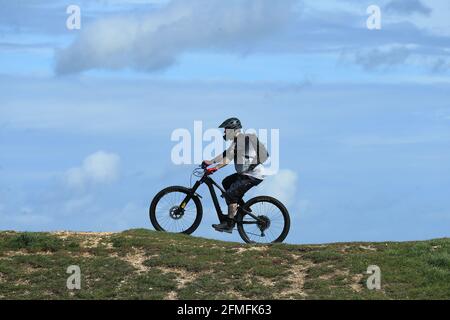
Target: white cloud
383	56
377	140
98	168
408	7
282	186
154	41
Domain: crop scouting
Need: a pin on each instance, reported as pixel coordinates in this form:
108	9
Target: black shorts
237	185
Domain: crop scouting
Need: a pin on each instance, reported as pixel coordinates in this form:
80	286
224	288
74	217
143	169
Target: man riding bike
248	155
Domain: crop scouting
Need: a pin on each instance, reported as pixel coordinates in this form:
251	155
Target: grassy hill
142	264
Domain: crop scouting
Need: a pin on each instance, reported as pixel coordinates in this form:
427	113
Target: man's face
228	134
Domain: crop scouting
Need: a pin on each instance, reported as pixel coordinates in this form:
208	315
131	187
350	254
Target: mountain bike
178	209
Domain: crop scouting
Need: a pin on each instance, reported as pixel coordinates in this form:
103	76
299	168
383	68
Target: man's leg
228	226
234	194
232	209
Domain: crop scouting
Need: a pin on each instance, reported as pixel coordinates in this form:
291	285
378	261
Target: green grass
142	264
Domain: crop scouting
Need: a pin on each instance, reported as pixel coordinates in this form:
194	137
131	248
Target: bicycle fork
191	194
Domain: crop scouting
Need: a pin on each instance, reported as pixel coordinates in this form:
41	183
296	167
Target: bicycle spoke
179	223
267	211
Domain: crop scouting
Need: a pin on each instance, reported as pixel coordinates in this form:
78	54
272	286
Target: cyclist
248	155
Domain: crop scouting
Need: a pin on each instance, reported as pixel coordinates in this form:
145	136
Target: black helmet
232	123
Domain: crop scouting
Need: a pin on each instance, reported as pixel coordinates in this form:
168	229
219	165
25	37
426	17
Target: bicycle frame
211	184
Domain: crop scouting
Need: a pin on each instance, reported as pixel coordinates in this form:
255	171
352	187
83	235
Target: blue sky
364	117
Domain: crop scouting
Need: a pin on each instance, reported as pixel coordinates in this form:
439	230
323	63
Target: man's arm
223	159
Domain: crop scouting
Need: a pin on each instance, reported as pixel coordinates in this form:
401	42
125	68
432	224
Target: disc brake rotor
176	213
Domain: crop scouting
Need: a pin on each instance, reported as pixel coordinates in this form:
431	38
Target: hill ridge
143	264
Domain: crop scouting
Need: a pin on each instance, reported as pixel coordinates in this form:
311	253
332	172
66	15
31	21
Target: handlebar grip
204	165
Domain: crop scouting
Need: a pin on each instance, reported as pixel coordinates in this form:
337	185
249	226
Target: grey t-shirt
245	156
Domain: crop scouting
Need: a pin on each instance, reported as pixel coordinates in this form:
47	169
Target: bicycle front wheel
167	213
268	222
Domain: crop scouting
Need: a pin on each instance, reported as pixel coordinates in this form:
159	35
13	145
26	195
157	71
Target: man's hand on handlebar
211	170
206	164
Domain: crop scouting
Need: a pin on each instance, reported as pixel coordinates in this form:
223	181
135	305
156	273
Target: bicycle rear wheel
269	221
166	212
